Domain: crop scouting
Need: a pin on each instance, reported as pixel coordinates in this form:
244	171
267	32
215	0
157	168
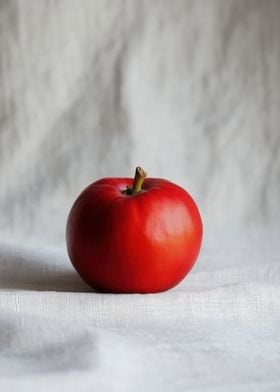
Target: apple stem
139	177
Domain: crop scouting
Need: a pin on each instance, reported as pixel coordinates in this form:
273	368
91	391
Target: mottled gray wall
188	89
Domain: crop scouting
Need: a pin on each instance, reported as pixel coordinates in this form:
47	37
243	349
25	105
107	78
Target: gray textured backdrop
188	89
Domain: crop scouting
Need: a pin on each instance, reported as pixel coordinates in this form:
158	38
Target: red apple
140	235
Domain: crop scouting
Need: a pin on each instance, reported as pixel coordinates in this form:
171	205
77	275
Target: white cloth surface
190	91
217	331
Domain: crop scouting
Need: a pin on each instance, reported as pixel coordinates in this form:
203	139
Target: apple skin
133	243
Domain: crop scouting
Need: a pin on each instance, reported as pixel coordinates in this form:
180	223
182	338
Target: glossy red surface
141	243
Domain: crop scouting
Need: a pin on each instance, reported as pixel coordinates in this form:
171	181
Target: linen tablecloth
190	91
217	331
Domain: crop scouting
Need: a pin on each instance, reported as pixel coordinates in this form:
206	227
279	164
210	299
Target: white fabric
217	331
93	88
190	90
